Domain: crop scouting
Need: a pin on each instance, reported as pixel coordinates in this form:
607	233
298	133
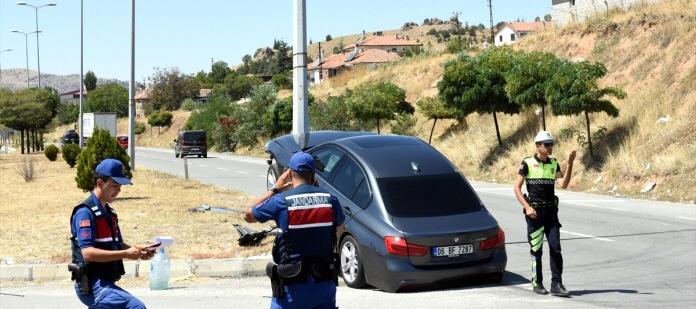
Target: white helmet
543	137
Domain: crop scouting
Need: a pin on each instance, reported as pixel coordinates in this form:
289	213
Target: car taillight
496	241
399	246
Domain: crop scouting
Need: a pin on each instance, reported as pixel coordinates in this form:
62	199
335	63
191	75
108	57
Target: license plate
195	149
452	251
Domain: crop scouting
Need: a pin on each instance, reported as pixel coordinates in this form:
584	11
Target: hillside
17	78
649	52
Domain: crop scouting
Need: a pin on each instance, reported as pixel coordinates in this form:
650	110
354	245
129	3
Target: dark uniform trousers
546	223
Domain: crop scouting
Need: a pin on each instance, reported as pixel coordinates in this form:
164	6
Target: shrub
27	168
431	32
189	105
99	147
281	81
70	153
139	128
403	124
51	152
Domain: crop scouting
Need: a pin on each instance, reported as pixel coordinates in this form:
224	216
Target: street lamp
2	51
36	10
26	48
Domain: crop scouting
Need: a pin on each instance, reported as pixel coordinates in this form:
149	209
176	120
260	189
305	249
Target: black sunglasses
548	144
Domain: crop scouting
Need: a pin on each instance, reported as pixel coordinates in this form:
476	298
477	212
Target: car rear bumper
194	150
398	273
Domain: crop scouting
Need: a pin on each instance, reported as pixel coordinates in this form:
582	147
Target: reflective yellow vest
540	170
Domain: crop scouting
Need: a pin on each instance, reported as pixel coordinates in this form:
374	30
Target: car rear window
428	196
196	136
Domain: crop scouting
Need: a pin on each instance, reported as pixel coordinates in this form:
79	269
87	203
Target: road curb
216	268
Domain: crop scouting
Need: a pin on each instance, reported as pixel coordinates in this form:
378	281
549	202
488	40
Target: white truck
98	120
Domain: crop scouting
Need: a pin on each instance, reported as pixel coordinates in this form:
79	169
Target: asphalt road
618	253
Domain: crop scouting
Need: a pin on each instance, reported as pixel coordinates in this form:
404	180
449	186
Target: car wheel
205	155
351	265
199	156
176	154
272	175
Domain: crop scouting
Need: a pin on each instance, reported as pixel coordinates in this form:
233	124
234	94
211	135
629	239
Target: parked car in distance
69	137
189	143
122	141
412	219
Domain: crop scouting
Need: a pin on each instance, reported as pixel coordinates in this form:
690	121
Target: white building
513	31
568	11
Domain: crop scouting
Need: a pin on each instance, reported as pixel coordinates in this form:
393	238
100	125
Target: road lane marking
586	235
243	172
594	206
221	169
686	218
204	166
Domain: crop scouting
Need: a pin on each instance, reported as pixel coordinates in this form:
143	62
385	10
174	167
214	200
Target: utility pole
82	78
490	10
211	65
300	116
131	93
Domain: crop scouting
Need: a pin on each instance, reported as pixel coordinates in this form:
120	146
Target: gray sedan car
412	219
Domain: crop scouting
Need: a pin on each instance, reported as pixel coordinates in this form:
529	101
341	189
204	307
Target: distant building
203	95
511	32
327	67
569	11
72	97
391	43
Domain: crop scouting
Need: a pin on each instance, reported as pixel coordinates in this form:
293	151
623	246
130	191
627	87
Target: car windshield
428	196
195	136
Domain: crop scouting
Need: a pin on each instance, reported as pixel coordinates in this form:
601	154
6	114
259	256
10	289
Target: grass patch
34	217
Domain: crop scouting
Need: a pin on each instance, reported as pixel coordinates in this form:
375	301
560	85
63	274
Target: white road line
585	235
594	206
221	169
686	218
243	172
596	201
203	165
262	176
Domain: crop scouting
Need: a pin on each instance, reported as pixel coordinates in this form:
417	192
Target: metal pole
38	61
131	93
186	168
300	116
490	10
81	72
26	50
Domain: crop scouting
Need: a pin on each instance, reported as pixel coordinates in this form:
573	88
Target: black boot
540	289
559	290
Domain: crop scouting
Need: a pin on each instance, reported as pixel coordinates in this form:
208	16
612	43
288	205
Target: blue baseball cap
302	162
113	169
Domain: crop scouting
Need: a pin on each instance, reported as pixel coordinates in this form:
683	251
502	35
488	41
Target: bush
160	119
328	37
403	124
139	128
68	113
99	147
189	105
281	81
70	153
27	168
51	152
431	32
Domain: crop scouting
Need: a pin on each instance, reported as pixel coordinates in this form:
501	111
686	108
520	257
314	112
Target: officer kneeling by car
302	273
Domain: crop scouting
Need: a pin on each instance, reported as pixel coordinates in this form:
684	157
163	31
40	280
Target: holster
79	275
544	204
277	284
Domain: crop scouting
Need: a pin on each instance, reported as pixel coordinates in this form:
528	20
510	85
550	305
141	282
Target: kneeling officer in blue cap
302	273
97	246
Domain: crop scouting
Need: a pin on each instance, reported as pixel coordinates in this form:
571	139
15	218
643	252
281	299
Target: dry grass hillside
649	52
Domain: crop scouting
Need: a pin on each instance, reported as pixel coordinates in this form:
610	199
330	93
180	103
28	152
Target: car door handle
348	211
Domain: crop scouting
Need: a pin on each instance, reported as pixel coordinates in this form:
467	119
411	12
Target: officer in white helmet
541	209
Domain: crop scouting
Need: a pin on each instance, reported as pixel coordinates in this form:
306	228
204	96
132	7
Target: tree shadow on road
621	291
524	133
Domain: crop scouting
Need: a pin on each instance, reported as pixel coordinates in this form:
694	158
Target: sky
186	34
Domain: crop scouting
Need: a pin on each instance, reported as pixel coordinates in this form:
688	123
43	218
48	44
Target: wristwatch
275	190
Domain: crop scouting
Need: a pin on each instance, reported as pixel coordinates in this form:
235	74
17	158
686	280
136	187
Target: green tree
219	71
99	147
280	117
432	108
110	97
68	113
70	153
547	17
238	86
219	105
328	37
377	101
169	88
331	115
90	81
28	111
574	89
51	152
477	84
281	81
160	119
528	79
